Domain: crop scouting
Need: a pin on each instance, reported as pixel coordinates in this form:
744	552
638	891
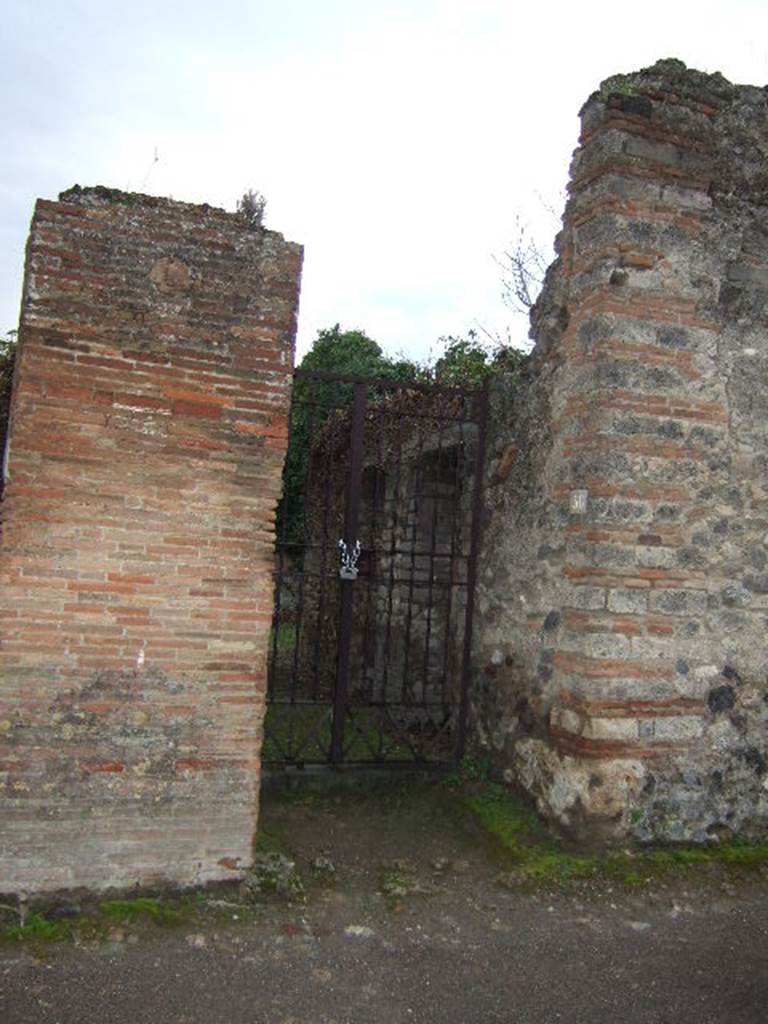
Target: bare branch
523	267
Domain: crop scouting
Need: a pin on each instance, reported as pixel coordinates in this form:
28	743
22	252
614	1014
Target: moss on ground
118	919
36	928
533	856
142	908
270	840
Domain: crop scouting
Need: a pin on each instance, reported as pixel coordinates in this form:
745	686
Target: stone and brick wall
147	440
621	651
621	657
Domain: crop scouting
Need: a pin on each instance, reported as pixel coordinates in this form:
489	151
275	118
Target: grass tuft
36	927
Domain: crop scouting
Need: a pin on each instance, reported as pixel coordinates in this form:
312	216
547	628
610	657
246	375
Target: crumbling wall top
102	197
730	121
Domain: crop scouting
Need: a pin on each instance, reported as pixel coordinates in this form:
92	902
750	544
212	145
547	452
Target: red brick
118	523
102	766
610	668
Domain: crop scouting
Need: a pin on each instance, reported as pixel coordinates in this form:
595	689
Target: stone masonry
623	604
147	439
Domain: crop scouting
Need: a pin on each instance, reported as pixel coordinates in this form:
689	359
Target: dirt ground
406	920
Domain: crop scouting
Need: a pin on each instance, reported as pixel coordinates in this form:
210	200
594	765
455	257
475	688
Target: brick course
147	439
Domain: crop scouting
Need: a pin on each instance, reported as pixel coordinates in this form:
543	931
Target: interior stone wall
620	652
148	432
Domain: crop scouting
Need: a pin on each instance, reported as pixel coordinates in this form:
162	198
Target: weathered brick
120	532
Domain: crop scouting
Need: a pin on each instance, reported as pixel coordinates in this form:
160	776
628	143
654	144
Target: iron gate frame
339	707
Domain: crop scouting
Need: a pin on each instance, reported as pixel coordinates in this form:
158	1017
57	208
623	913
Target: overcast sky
398	141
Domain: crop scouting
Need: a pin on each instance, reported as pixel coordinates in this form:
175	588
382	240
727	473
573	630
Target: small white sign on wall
578	502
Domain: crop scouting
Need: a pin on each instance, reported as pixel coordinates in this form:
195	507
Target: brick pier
147	440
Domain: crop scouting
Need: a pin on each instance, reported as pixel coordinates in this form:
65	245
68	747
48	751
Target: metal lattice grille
374	567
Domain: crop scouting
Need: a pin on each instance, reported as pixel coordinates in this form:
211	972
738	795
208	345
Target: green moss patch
116	920
142	909
531	855
36	928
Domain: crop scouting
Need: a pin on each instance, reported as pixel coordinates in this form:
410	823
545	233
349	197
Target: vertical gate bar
327	546
369	531
432	549
447	694
351	523
407	695
481	405
394	557
368	660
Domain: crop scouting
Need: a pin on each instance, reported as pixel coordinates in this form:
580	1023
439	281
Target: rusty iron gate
378	532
